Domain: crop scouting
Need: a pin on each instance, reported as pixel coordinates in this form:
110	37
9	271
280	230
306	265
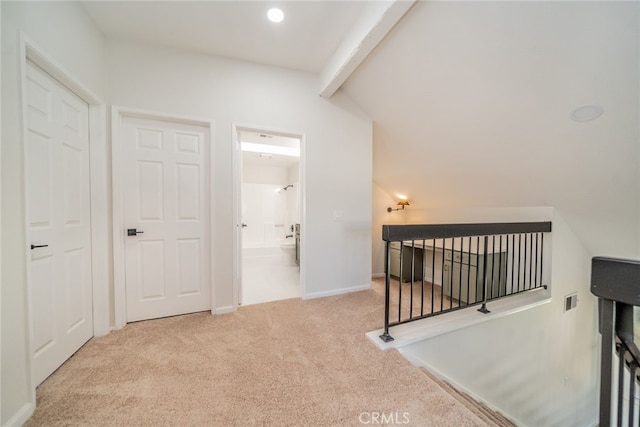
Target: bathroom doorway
269	213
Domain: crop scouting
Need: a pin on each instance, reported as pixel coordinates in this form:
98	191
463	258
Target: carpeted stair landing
286	363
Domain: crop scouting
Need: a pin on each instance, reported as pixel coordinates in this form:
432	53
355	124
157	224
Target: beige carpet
286	363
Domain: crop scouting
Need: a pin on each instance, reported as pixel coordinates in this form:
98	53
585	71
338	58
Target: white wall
264	174
68	35
380	216
540	366
338	138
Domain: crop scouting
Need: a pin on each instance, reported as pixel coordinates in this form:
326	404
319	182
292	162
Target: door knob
244	225
39	246
133	232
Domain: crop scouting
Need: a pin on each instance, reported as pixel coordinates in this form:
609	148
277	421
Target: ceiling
470	101
304	41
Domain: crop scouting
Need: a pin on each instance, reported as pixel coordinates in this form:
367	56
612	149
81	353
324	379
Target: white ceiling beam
376	22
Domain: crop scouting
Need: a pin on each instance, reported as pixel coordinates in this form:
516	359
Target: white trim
236	244
117	205
377	275
23	184
30	51
117	114
340	291
377	20
236	170
224	310
21	416
100	241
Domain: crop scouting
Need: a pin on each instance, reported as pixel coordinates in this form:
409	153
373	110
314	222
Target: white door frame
29	51
237	202
117	164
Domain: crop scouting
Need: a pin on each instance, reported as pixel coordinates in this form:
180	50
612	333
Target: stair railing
432	269
616	282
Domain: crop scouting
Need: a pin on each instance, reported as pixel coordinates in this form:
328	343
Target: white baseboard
337	291
224	310
21	416
377	275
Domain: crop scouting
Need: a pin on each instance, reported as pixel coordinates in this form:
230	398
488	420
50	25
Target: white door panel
58	197
166	181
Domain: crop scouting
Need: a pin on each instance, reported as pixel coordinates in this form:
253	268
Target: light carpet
285	363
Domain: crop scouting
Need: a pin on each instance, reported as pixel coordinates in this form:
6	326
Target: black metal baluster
493	264
453	257
620	351
519	259
513	261
400	282
531	258
468	269
542	258
444	251
433	274
413	277
478	276
632	392
500	269
423	274
535	258
484	309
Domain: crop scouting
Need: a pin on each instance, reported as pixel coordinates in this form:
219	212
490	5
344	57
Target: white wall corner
377	20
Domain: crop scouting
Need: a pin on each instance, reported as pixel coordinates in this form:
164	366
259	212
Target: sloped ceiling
471	105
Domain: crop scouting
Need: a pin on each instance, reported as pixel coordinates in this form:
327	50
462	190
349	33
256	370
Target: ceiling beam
375	23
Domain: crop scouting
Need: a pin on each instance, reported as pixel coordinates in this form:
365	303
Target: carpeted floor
285	363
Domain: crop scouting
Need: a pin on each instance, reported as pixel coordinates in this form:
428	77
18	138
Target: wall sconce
402	203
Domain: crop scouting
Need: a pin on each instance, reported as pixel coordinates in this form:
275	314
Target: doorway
270	216
162	215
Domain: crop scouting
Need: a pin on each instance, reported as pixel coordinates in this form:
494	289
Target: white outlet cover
570	302
338	215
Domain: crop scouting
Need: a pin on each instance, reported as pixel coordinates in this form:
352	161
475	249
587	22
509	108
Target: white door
59	228
166	215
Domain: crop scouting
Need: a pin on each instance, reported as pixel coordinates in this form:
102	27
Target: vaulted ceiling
471	105
471	101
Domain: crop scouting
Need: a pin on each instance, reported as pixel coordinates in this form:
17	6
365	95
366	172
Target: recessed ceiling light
275	15
586	113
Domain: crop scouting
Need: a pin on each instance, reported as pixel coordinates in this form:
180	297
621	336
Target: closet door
59	226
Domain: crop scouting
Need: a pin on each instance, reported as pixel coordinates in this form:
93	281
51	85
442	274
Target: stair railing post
606	360
387	293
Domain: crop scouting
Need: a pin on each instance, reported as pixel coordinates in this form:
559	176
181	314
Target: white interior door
166	215
59	227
